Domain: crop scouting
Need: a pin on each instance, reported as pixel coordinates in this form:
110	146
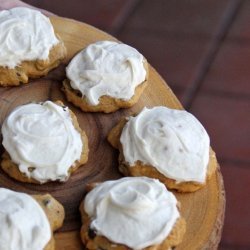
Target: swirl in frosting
42	137
106	68
25	35
172	141
24	224
135	211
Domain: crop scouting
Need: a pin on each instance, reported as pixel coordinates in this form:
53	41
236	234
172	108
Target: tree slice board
203	210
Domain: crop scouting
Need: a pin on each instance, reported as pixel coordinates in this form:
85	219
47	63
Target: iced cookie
106	76
131	213
29	46
167	144
28	222
43	142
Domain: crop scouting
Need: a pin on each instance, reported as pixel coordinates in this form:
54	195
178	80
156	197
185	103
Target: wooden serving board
203	210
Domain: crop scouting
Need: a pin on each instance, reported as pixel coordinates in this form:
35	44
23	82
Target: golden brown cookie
107	104
139	169
32	69
90	72
55	213
92	241
12	169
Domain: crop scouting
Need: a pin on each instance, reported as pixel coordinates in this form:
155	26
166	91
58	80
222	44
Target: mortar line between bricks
229	246
225	94
244	164
211	53
121	20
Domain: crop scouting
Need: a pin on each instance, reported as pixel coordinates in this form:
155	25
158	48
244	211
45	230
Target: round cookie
29	47
28	222
43	143
166	144
106	76
131	213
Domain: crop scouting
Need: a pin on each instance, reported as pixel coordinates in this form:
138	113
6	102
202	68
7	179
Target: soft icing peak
42	136
106	68
135	211
25	35
24	225
172	141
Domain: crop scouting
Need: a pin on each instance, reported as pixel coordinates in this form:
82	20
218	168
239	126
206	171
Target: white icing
25	35
24	224
135	211
106	68
172	141
42	136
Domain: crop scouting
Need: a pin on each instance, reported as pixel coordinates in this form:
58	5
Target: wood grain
203	210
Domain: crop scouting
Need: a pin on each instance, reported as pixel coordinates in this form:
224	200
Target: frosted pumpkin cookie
43	142
131	213
106	76
167	144
28	222
29	47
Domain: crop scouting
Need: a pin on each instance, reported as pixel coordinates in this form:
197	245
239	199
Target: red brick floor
202	49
